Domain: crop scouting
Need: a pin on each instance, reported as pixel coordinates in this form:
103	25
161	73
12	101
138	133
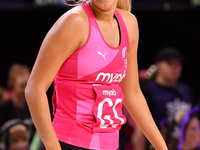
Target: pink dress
88	100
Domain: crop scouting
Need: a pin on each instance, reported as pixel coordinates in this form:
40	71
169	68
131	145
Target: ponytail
124	4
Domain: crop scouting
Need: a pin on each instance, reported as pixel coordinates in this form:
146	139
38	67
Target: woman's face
192	133
104	4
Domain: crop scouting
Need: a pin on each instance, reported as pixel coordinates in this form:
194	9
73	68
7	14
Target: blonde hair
122	4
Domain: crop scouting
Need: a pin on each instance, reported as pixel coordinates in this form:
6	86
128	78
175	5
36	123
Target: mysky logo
109	92
110	77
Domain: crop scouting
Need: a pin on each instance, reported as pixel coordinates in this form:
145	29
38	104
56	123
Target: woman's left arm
134	99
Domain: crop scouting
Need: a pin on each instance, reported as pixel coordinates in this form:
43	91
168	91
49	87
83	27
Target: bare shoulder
74	16
131	23
73	21
129	18
73	24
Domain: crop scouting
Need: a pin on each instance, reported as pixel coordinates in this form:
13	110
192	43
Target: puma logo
103	55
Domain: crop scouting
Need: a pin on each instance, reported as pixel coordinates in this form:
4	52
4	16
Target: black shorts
66	146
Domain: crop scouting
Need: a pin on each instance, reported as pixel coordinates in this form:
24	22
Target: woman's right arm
134	99
61	41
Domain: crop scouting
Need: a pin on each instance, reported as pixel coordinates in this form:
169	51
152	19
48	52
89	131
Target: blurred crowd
16	127
172	103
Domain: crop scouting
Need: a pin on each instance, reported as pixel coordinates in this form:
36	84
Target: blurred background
162	23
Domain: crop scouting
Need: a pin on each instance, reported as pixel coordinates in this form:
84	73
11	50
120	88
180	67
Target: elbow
27	92
33	91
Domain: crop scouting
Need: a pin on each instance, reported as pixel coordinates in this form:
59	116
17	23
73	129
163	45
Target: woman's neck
105	15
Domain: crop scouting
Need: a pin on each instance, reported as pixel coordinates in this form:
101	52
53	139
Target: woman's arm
134	99
61	41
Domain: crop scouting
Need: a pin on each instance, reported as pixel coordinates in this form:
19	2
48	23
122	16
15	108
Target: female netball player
90	54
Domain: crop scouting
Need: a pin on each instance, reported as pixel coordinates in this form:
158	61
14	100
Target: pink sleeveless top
88	100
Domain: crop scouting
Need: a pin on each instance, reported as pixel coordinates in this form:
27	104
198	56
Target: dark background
162	23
